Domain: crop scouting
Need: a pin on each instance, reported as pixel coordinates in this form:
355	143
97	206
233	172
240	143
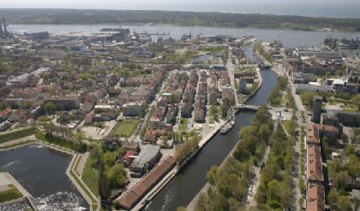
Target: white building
132	109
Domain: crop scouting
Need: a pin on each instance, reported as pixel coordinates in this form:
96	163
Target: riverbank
257	89
70	172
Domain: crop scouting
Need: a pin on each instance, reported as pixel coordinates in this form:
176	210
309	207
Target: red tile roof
314	163
315	200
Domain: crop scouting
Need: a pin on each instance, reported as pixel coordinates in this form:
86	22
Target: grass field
10	194
89	176
17	134
125	127
183	123
350	107
212	49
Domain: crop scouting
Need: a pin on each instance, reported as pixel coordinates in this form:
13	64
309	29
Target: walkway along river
189	181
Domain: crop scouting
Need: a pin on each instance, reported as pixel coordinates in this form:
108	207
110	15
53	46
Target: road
231	69
296	194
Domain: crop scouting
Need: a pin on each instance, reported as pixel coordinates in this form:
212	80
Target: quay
5	180
173	172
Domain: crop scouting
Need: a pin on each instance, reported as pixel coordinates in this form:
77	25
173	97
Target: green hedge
17	134
77	147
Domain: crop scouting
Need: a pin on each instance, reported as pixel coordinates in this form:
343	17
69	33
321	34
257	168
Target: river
41	171
189	181
290	38
181	190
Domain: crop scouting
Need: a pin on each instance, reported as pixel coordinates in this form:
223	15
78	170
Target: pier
155	34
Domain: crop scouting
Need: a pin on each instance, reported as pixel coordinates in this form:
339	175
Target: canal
189	181
41	171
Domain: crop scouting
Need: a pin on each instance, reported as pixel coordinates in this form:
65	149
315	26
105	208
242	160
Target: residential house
128	157
110	142
149	155
67	103
314	171
315	197
133	109
131	145
89	118
18	116
4	114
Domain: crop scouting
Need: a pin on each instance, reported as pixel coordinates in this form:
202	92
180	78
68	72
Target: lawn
289	127
183	123
125	127
17	134
10	194
90	176
212	49
211	120
350	107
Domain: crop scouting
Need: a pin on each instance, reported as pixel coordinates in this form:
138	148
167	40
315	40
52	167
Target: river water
41	171
184	187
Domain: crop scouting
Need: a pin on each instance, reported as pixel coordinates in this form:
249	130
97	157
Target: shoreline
70	171
178	25
192	204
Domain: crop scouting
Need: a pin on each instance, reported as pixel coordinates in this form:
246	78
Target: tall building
317	109
242	85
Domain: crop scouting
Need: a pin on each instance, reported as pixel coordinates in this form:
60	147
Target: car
286	110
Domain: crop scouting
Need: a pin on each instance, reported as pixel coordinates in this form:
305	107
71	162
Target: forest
213	19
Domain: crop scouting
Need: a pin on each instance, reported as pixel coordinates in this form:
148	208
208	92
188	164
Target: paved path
80	167
251	201
16	141
13	181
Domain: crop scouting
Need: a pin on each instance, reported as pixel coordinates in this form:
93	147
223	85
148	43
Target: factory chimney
1	32
5	32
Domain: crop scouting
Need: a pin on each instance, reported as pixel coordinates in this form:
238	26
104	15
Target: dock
5	180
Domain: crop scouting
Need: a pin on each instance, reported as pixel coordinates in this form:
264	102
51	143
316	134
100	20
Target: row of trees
111	175
63	136
274	191
260	49
36	16
230	182
186	149
275	96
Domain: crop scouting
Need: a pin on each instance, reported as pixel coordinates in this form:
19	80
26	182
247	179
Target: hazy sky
335	8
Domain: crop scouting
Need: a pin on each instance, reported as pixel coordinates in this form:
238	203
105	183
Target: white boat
227	127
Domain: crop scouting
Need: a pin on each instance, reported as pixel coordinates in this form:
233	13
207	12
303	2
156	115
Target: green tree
116	175
103	187
211	175
181	209
342	179
356	100
109	158
97	110
274	190
328	74
49	107
264	132
95	154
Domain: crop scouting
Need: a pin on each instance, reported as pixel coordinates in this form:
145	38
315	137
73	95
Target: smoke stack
1	32
5	32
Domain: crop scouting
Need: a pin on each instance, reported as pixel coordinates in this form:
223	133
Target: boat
263	66
227	127
230	121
